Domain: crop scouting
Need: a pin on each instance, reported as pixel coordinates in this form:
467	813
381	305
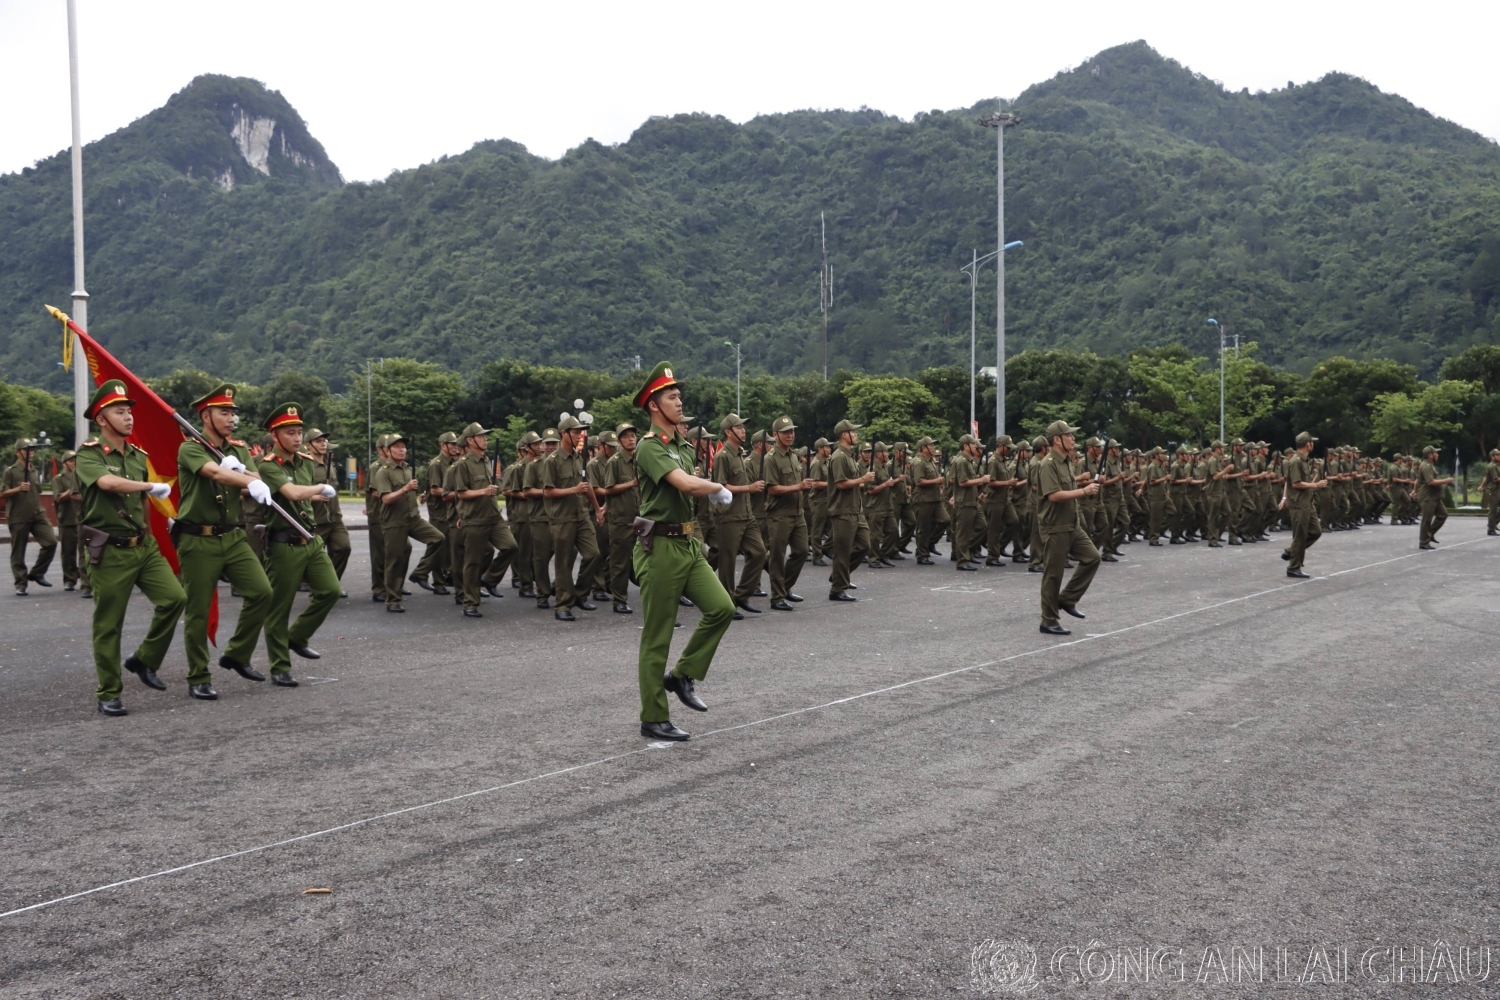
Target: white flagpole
80	297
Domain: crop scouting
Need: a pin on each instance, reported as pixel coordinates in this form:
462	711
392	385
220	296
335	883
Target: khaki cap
845	425
731	420
1058	428
782	424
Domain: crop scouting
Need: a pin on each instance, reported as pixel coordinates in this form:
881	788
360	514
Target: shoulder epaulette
237	443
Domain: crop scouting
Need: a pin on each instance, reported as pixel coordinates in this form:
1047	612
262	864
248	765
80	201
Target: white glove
259	491
723	498
328	491
160	491
232	464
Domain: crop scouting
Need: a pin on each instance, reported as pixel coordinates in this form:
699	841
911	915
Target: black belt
285	538
675	529
205	530
125	541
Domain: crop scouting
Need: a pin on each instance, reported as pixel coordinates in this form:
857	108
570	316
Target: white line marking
713	732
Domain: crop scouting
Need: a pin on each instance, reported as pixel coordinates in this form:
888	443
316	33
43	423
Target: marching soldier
1021	500
1003	519
471	481
851	535
20	487
597	573
1302	484
1040	446
787	486
292	560
374	515
1490	490
541	527
572	511
817	470
437	562
330	516
669	561
123	553
400	518
210	536
1430	485
906	515
67	494
880	509
1063	534
518	510
620	512
738	532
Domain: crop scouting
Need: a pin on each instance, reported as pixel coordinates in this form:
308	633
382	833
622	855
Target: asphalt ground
1252	778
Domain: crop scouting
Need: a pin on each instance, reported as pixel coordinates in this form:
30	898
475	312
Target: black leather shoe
1178	541
543	603
757	592
87	595
343	593
284	680
1235	541
395	609
992	561
245	670
586	606
683	688
1073	610
420	582
600	595
1156	544
440	590
69	588
146	674
965	567
1035	569
663	731
378	598
683	602
306	652
794	598
780	606
875	565
820	561
493	590
898	555
1297	573
473	613
1054	630
1286	555
925	562
1108	558
747	606
842	597
887	564
1425	547
20	591
528	592
621	608
564	615
40	581
1216	545
112	707
203	692
738	617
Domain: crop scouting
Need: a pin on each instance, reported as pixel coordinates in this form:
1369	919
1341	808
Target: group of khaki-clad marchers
562	519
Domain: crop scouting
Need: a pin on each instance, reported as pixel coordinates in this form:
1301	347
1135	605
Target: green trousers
434	564
398	553
968	533
520	567
541	557
289	566
1433	516
1306	529
596	573
851	542
932	517
336	543
203	561
621	542
119	572
788	554
572	540
676	568
20	533
884	531
479	567
817	529
740	537
1058	547
74	556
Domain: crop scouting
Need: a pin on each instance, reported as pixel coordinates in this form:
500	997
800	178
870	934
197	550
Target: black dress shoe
1108	558
683	688
306	652
440	590
528	592
69	588
343	593
820	561
747	606
663	731
473	613
1156	544
1427	547
395	609
1178	541
543	603
875	565
378	598
842	597
1054	630
1235	541
405	592
897	555
966	567
738	617
1286	555
1216	545
87	595
245	670
757	592
493	589
148	676
600	595
564	615
284	680
780	606
1035	569
794	598
683	602
621	608
1072	609
586	606
1297	573
924	561
887	563
992	561
112	707
40	581
203	692
20	591
420	582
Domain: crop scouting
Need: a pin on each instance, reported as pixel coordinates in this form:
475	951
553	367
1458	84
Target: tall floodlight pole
971	271
1000	121
80	297
825	293
737	407
1223	338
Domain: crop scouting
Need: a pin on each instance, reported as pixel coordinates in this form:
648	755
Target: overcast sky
389	85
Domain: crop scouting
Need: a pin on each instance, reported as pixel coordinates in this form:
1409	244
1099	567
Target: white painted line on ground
713	732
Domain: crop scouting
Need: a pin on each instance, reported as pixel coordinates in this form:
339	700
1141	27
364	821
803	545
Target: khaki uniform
851	535
291	561
436	563
328	517
1063	537
74	556
27	520
518	513
572	526
487	544
1431	498
398	522
619	517
738	530
595	576
788	541
541	535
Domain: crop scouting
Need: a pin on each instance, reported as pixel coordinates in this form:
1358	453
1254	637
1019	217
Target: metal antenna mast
825	291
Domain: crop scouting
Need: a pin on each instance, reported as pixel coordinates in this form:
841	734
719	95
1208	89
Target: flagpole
80	297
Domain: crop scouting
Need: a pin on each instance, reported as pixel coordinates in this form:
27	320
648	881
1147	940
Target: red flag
159	436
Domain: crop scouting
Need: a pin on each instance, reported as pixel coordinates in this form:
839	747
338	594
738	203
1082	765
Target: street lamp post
1223	346
80	297
1000	121
971	270
736	374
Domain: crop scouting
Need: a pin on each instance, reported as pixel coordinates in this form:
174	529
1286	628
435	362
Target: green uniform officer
210	536
487	545
20	486
1430	487
669	561
572	512
927	499
596	574
518	511
969	526
788	485
817	532
436	564
846	488
330	515
1063	534
114	475
1302	486
537	518
291	559
67	494
1490	490
738	532
400	518
620	512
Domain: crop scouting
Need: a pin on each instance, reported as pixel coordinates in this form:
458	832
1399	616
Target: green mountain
1317	220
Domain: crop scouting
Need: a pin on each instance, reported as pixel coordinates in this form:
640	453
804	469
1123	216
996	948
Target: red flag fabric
158	434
